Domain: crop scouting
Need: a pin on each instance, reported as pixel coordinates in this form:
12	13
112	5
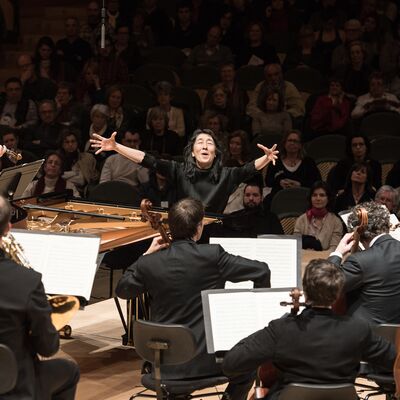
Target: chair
8	369
302	391
149	74
385	149
248	76
306	79
385	381
324	166
138	96
331	147
383	123
167	344
166	55
200	77
288	222
121	193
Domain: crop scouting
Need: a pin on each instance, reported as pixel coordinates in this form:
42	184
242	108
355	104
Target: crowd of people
68	106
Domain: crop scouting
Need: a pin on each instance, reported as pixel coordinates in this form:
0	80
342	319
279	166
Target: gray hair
390	189
101	108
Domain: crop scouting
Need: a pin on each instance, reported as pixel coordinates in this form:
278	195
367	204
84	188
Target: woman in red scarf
319	227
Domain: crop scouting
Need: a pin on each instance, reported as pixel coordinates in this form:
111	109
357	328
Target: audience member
159	22
256	50
358	149
331	112
176	121
73	49
51	181
317	346
278	18
99	115
218	124
113	15
292	168
372	292
20	111
141	32
389	197
211	53
90	91
294	104
119	116
158	190
79	167
238	149
389	55
357	188
320	228
35	88
126	48
119	168
47	62
158	139
271	118
376	99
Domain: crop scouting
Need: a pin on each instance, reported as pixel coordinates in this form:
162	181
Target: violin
267	374
155	220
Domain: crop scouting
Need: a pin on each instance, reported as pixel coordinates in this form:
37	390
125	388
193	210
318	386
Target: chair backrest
290	201
288	222
180	342
331	147
248	76
306	79
325	166
139	96
166	55
386	149
115	192
298	391
149	74
383	123
8	369
200	77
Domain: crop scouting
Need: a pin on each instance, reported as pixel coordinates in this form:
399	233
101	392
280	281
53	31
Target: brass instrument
63	307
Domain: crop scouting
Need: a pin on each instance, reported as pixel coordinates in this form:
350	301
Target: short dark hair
322	282
321	185
69	131
378	220
349	141
184	218
5	214
13	79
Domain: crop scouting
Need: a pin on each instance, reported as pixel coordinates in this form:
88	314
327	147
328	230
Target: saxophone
63	307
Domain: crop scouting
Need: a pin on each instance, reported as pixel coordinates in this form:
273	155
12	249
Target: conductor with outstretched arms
201	176
174	277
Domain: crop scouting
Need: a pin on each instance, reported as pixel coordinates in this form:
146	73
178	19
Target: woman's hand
272	153
103	144
3	150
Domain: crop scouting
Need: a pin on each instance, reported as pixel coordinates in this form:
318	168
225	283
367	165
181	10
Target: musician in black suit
26	327
372	277
174	278
316	346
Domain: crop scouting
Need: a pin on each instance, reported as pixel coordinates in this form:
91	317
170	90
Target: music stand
14	180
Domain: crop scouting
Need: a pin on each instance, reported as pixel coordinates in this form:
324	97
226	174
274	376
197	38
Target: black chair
166	55
326	147
120	193
383	123
292	200
139	97
248	76
306	79
385	381
149	74
302	391
8	369
167	344
200	77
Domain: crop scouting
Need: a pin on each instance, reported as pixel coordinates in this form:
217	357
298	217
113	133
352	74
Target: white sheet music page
67	262
236	315
279	254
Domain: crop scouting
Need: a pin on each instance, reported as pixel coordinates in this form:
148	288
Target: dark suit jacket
174	279
25	324
313	347
373	281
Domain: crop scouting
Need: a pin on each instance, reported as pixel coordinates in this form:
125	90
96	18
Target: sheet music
229	320
281	255
67	262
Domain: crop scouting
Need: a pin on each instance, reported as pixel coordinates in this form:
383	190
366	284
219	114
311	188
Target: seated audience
120	168
293	101
358	149
256	50
35	87
119	118
238	149
79	167
211	53
158	139
218	124
176	121
376	99
158	21
389	197
20	110
99	115
331	112
319	227
51	180
158	190
315	346
271	119
372	276
141	32
292	168
48	63
126	48
357	189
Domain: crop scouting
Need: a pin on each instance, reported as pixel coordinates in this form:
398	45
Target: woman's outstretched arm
270	155
109	144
